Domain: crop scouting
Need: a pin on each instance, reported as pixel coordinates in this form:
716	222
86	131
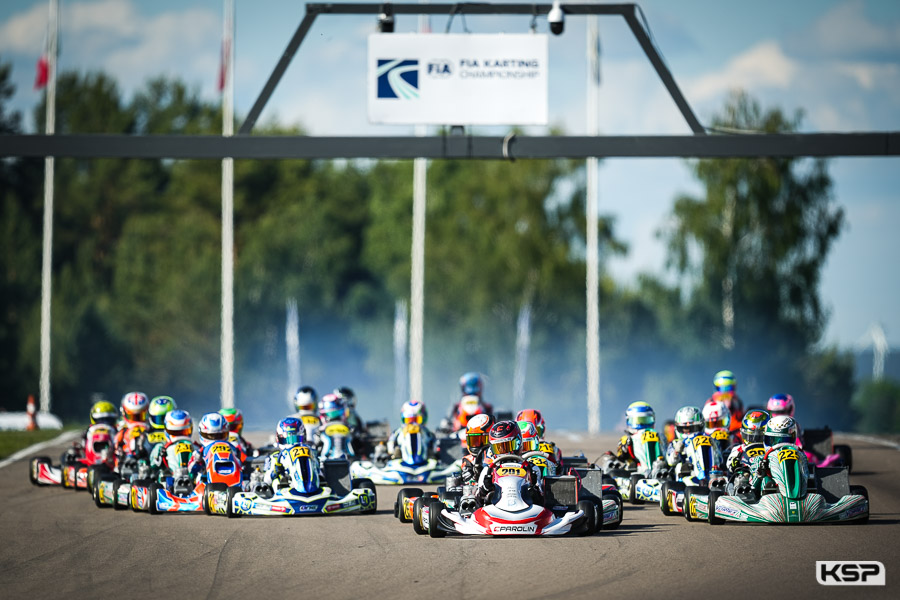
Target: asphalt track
55	544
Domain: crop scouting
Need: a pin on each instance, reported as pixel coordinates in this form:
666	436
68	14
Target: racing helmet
348	395
529	435
235	419
781	429
477	432
414	412
781	404
134	406
306	400
179	424
159	408
532	416
471	384
724	381
103	412
753	425
332	408
688	421
716	415
290	431
213	428
638	416
505	438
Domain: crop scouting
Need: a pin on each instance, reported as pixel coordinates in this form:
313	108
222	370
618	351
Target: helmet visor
529	445
306	405
770	439
476	440
689	428
334	414
292	438
506	446
751	436
407	419
158	421
641	421
218	435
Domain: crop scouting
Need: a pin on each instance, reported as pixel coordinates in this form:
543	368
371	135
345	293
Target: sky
837	60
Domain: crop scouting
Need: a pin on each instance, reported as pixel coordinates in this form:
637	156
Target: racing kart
178	492
414	464
76	461
821	451
788	495
303	492
651	466
702	469
517	508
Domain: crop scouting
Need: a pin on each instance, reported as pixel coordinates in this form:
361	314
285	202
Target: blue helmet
290	431
471	384
638	416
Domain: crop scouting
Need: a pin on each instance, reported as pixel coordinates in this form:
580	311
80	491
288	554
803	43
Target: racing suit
158	459
428	437
486	481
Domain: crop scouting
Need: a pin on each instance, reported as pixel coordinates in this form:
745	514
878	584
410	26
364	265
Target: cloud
24	33
762	66
845	32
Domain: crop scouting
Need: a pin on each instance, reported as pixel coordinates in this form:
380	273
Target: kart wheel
205	501
632	497
417	515
615	524
434	509
229	502
861	491
116	485
151	500
402	495
361	484
95	491
712	518
667	486
689	492
846	454
589	525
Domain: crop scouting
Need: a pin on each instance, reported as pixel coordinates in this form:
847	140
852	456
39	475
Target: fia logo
397	78
439	68
844	572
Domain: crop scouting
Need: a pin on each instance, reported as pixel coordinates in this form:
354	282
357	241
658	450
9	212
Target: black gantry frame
246	146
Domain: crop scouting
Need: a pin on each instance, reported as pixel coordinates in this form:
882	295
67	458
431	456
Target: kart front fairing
289	502
509	513
778	508
398	472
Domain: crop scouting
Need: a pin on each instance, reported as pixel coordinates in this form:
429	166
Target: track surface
55	543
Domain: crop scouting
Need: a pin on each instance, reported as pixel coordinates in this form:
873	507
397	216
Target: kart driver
213	428
478	448
289	432
505	440
179	428
752	429
472	403
235	420
412	412
306	401
725	385
639	416
688	422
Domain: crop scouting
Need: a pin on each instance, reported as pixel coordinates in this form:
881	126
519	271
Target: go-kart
786	495
512	508
821	451
414	464
300	492
702	469
178	492
114	489
650	453
76	461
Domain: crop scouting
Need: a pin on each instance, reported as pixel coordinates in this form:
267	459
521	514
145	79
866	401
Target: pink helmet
780	404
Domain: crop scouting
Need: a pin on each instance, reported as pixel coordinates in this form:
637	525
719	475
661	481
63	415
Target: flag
43	72
223	63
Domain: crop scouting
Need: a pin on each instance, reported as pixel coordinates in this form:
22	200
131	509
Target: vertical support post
292	348
417	282
401	355
227	351
49	167
592	238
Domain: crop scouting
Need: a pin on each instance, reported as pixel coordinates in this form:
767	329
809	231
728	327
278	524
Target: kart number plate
299	452
337	429
511	472
309	420
182	447
411	428
546	447
787	454
720	434
701	440
649	436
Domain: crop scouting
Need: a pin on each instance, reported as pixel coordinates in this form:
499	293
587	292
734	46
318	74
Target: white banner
457	79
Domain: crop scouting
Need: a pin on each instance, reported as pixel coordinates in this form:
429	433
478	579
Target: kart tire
229	502
418	505
213	487
589	524
402	495
846	454
714	495
116	484
434	508
33	467
615	524
95	492
861	491
675	486
360	484
689	491
632	497
151	498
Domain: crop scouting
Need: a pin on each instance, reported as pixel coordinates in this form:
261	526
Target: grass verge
13	441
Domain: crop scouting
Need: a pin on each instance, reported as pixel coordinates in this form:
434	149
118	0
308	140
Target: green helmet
159	408
104	412
724	381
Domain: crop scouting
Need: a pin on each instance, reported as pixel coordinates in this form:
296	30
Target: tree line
136	273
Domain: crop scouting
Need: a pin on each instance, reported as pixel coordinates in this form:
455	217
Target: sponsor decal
398	78
845	572
531	528
855	511
439	68
307	508
728	510
279	509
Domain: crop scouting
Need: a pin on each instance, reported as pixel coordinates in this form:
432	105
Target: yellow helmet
104	412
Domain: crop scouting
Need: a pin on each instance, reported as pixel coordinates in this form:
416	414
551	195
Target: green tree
878	406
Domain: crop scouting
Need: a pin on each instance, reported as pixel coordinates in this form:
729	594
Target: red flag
43	72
